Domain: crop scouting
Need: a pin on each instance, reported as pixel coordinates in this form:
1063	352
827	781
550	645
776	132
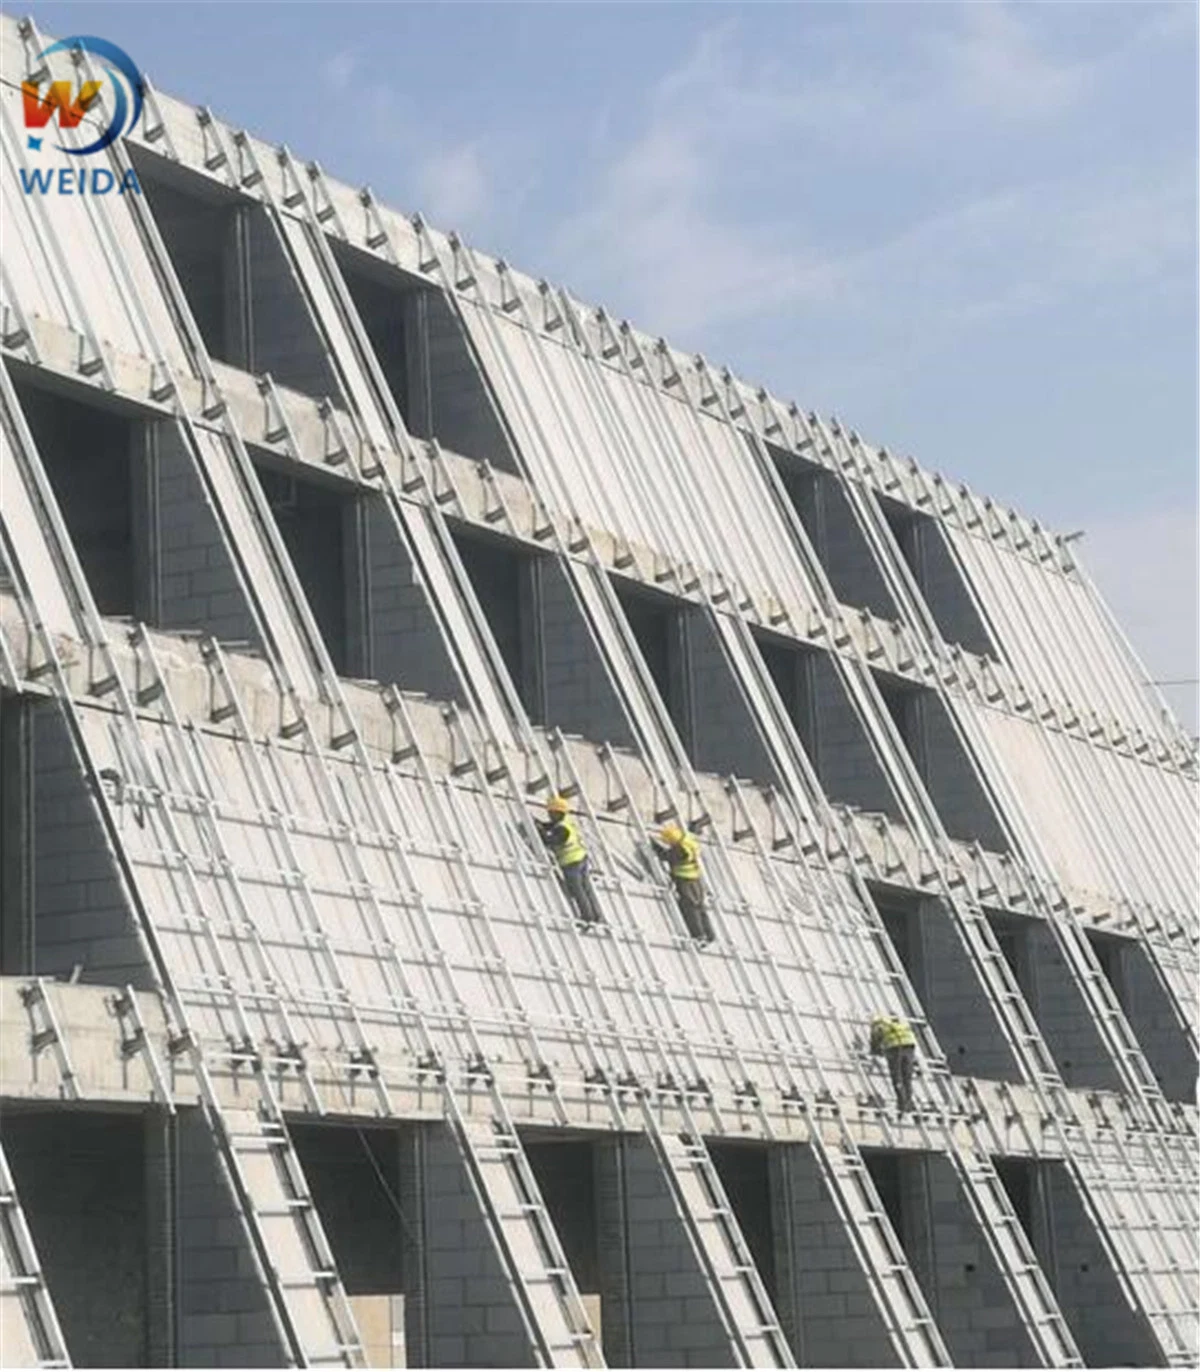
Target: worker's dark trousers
690	895
900	1065
579	890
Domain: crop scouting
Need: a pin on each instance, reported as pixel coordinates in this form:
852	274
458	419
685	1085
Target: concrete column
823	1299
16	835
161	1192
224	1318
460	1310
658	1311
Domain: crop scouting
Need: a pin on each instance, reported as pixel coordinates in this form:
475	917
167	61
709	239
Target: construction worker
561	834
681	852
892	1038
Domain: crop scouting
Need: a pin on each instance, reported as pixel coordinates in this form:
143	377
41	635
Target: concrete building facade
330	549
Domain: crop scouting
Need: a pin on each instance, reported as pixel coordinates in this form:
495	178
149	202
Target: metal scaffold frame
986	957
671	1042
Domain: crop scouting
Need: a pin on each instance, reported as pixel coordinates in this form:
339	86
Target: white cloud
1145	565
453	185
994	62
338	70
1023	248
672	226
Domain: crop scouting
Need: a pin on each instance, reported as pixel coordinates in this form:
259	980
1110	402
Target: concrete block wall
959	1008
81	916
823	1299
1162	1040
724	737
956	792
284	337
463	417
946	594
1064	1017
405	641
223	1316
1107	1330
961	1280
459	1310
846	766
658	1296
198	587
80	1177
580	699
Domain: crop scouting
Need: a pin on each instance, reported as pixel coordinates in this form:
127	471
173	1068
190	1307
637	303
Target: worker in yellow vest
892	1038
681	852
561	834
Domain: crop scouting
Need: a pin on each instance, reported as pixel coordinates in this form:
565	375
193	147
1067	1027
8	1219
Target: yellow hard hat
558	805
670	833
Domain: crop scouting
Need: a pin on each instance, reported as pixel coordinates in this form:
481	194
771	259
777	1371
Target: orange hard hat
558	805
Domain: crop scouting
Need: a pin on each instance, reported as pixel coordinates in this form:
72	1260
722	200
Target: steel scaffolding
313	905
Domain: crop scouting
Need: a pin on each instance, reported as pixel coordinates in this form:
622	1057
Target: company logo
58	102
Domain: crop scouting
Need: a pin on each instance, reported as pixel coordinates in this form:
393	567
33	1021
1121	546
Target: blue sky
968	229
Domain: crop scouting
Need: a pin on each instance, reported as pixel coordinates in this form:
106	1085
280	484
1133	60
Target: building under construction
330	549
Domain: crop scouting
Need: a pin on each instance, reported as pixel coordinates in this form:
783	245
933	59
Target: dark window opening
903	524
426	359
95	460
354	1176
318	524
887	1174
938	576
389	304
900	915
1012	938
822	506
82	1179
506	584
1018	1179
236	276
903	703
565	1174
745	1174
942	761
658	628
1109	954
790	669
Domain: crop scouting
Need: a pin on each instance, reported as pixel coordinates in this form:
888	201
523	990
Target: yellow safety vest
685	859
896	1034
571	851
